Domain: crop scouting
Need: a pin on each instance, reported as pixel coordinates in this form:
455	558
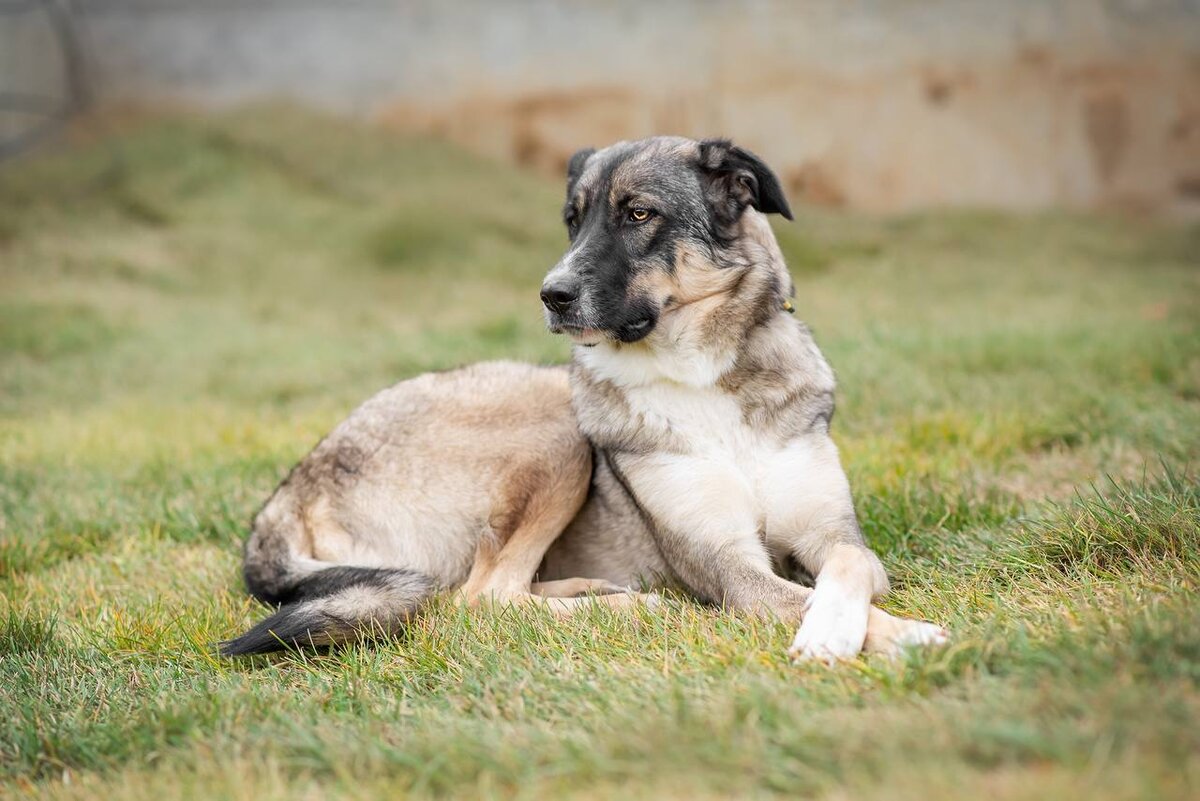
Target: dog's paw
900	635
833	629
921	633
602	587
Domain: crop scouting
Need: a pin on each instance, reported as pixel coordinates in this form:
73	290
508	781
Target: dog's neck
697	342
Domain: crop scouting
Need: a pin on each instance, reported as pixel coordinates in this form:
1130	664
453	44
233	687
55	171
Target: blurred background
269	206
882	105
279	203
225	223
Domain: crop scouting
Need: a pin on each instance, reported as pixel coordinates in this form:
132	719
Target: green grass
187	304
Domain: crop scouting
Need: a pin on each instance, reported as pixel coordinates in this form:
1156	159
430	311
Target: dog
686	445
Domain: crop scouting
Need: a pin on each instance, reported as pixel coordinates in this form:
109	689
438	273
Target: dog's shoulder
781	379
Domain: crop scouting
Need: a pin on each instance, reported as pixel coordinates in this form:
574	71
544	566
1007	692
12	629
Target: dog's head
652	226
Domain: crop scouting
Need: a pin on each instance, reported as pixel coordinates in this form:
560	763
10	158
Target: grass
188	304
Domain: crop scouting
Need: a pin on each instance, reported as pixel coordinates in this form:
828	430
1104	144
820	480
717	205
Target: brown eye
639	215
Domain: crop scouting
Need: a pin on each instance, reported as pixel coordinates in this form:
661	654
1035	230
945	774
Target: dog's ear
575	166
735	178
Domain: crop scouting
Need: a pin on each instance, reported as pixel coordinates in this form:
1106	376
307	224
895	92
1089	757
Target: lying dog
687	444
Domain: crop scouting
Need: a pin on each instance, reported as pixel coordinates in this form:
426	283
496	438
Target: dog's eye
637	215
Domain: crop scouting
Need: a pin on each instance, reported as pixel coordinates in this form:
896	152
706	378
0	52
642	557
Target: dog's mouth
638	329
590	337
587	337
579	333
586	332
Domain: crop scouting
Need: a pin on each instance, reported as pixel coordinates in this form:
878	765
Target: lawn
188	304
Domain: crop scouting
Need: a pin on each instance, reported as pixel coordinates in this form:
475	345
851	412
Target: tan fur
696	456
465	476
532	512
725	364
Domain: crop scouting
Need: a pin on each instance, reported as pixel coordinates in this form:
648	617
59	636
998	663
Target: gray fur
674	290
482	479
335	605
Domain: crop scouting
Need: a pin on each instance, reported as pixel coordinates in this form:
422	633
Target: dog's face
639	214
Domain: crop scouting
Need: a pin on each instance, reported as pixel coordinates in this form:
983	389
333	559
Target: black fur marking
790	568
575	166
301	621
265	567
335	579
666	238
738	178
698	200
292	626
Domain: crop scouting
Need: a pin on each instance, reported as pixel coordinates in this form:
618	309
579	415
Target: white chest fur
729	474
707	419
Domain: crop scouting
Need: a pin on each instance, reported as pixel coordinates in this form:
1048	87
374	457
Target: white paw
920	634
833	629
896	635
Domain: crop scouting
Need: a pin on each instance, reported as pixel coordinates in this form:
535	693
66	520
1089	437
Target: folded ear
735	178
575	166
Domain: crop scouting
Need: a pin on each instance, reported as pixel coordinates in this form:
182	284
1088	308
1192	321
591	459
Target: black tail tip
314	619
252	642
247	645
288	628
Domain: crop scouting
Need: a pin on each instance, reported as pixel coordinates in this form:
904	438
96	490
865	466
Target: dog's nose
559	297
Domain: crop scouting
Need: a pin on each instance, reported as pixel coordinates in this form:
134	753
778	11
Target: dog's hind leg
573	587
565	596
538	503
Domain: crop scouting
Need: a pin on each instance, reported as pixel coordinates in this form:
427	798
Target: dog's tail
337	604
321	604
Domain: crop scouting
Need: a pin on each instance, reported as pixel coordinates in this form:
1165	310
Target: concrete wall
39	84
876	105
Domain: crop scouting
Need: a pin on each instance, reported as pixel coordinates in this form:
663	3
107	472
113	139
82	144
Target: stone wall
879	105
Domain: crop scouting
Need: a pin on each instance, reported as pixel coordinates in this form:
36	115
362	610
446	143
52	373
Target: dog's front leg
840	620
810	517
836	621
703	518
